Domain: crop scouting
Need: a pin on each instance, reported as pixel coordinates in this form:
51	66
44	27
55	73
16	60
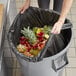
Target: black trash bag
36	17
56	44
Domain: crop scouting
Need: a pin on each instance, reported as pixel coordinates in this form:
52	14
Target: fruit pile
33	40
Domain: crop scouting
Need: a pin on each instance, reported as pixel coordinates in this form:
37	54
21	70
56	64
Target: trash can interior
37	17
66	34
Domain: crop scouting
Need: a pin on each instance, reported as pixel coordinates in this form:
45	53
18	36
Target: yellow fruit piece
21	48
39	30
34	52
46	36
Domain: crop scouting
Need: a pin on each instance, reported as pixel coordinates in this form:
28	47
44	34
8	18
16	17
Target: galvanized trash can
51	64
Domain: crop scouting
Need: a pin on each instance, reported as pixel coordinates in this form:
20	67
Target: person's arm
65	9
25	6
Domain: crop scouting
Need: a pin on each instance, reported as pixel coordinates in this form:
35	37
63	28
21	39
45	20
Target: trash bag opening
37	17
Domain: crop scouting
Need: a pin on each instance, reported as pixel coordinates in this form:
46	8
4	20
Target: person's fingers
53	29
56	29
22	11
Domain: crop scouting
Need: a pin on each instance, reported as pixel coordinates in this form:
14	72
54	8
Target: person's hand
26	6
57	27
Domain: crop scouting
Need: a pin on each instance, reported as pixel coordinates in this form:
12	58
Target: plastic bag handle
56	62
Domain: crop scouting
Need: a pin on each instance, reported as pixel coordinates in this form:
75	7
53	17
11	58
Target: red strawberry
41	46
22	42
26	43
31	45
40	34
40	39
22	38
28	49
35	46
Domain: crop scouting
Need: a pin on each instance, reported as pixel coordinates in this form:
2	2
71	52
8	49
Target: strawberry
27	44
40	39
22	42
41	45
40	34
35	46
22	38
28	49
